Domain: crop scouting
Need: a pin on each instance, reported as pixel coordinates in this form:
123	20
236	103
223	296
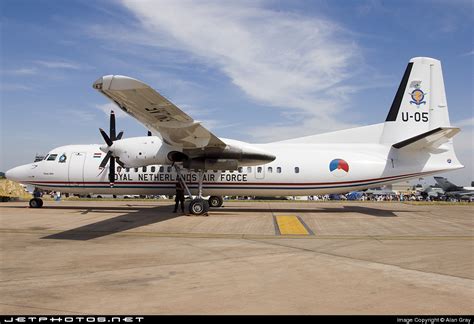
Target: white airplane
415	140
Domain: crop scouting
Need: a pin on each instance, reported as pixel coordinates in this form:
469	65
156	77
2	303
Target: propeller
109	157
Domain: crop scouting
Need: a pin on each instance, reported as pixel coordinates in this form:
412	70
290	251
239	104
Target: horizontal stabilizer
433	138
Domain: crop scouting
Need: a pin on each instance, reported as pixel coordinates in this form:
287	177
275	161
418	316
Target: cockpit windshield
51	157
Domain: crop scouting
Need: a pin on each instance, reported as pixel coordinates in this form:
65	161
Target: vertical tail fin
445	184
419	104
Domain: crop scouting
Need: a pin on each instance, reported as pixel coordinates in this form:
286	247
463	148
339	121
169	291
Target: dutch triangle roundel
339	167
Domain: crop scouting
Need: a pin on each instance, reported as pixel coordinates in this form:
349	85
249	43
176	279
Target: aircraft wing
157	113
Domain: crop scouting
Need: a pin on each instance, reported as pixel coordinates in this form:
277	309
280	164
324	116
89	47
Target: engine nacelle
146	150
141	151
211	164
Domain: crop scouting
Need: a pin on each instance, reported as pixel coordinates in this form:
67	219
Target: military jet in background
454	191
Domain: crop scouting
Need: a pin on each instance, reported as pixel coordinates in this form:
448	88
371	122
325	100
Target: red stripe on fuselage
245	183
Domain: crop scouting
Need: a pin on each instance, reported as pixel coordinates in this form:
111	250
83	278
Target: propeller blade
120	162
112	126
149	133
105	160
106	137
109	139
112	172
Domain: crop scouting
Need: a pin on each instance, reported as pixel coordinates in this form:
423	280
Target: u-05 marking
291	225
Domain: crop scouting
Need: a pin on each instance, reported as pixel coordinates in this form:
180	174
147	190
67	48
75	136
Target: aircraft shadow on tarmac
138	216
134	218
337	210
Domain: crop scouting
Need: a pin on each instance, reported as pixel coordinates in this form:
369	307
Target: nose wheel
36	203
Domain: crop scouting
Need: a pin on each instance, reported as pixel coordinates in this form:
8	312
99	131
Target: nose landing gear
36	203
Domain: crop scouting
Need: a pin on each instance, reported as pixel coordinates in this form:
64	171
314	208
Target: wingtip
98	84
103	83
117	82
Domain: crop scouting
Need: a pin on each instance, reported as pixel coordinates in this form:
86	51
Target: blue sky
251	70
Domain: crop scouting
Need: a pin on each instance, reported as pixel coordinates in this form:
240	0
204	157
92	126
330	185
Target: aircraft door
76	168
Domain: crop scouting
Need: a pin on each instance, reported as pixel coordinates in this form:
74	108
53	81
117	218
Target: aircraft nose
18	174
12	174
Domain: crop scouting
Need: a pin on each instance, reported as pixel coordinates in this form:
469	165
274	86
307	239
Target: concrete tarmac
137	257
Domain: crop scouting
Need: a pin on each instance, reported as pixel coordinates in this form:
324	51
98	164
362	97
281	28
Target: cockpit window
46	156
52	157
38	158
62	158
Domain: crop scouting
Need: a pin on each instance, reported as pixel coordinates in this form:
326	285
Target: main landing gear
215	201
36	203
199	206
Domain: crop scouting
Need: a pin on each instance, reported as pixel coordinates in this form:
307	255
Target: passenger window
127	169
153	169
297	170
278	169
168	169
136	169
52	157
249	169
144	169
119	169
241	170
270	169
162	169
259	169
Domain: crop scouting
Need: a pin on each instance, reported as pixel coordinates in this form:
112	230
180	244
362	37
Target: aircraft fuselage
298	170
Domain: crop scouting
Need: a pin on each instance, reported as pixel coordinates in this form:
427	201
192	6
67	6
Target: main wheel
215	201
36	203
198	206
